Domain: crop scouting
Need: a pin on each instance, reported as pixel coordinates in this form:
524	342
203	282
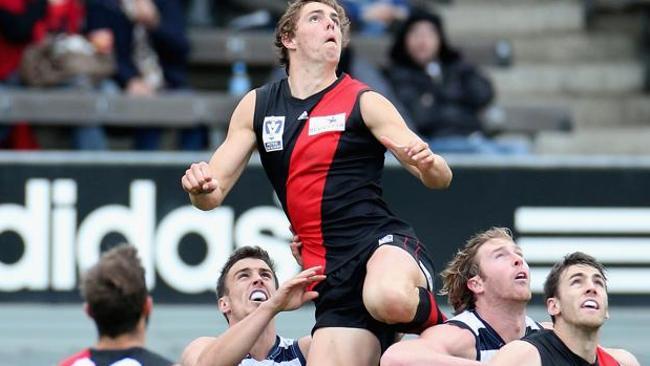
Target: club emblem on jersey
272	130
320	124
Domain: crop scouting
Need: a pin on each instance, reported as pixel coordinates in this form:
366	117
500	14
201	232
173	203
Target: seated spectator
151	49
45	49
375	17
443	94
116	299
22	23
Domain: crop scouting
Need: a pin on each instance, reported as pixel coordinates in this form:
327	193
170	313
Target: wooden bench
49	107
529	120
74	108
221	47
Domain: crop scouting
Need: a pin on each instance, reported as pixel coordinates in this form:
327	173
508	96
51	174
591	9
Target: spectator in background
116	298
375	17
443	94
25	22
152	50
45	48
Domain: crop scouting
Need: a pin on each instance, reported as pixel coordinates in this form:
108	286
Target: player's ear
148	306
288	41
87	310
224	305
475	284
553	306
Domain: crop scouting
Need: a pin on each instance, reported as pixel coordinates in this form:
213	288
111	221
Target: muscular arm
386	124
443	345
209	184
233	345
516	353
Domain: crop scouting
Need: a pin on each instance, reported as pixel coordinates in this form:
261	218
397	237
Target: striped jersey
285	352
325	166
488	341
135	356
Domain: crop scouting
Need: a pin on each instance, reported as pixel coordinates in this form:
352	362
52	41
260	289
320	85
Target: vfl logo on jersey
272	130
335	122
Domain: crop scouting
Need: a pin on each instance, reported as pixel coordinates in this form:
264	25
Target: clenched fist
198	179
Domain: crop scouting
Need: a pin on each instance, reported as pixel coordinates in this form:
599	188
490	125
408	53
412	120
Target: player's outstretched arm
388	126
443	345
235	343
208	183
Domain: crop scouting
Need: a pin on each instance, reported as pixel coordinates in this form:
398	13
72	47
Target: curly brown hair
465	266
287	25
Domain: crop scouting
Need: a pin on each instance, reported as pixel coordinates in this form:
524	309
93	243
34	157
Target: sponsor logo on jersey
320	124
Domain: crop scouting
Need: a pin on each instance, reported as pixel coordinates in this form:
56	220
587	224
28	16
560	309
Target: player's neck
307	80
136	338
581	341
264	343
508	319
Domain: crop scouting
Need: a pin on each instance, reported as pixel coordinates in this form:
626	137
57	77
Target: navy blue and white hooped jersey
488	341
285	352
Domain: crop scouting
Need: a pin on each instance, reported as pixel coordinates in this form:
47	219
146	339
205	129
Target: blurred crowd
141	48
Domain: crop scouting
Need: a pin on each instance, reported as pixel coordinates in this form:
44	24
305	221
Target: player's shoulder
517	353
193	350
303	344
70	360
622	356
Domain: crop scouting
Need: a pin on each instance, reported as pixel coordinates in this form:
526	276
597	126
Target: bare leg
343	347
390	291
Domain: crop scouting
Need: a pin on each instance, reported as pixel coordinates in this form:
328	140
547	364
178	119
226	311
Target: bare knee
389	304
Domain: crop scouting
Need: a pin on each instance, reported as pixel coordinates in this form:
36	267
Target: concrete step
574	48
512	18
610	141
584	79
594	112
619	22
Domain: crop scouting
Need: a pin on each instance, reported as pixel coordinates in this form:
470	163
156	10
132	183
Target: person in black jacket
151	50
443	94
